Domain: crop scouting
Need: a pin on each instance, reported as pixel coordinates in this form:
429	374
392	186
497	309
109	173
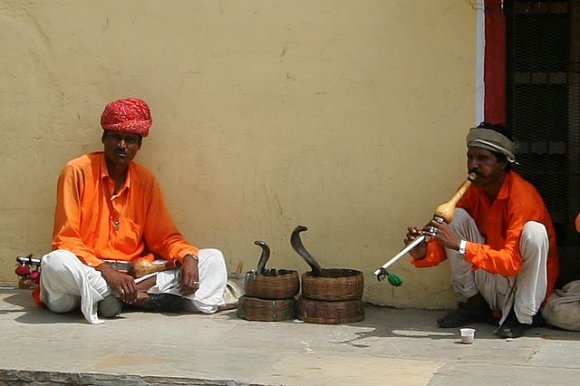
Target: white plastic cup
467	335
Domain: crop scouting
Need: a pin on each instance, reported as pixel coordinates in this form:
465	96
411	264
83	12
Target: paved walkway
390	347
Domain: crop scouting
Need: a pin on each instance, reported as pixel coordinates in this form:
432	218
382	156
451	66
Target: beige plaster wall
347	116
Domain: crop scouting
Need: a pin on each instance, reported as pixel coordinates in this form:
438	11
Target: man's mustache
475	171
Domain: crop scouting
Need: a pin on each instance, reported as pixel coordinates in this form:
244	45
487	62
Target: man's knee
213	260
55	262
465	226
55	267
460	216
535	236
211	254
63	303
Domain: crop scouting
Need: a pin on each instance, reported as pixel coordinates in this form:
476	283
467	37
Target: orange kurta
501	223
133	224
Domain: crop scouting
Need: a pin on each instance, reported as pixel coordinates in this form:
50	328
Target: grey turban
493	141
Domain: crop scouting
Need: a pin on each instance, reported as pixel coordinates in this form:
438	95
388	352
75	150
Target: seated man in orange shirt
501	244
110	213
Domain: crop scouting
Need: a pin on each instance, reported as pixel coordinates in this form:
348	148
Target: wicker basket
333	285
323	312
263	310
273	284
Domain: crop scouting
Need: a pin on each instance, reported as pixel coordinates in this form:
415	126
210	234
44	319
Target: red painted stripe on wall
495	63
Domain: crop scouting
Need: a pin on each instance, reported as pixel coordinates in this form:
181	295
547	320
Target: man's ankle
512	327
142	301
476	299
476	304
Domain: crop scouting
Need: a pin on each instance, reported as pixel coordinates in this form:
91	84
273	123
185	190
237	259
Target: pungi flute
443	212
137	268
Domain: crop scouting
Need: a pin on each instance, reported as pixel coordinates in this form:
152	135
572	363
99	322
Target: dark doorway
543	109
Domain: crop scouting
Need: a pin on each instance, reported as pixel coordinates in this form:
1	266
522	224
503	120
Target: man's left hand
443	234
189	279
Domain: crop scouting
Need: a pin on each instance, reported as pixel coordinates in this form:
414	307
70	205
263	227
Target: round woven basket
333	285
323	312
263	310
273	284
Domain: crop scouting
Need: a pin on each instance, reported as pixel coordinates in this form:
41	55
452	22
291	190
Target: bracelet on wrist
462	247
194	257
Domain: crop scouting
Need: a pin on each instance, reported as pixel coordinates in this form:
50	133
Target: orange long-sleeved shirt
85	223
501	223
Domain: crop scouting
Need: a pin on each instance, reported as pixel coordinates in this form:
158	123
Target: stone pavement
390	347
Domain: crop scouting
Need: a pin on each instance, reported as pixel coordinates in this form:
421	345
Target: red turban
131	116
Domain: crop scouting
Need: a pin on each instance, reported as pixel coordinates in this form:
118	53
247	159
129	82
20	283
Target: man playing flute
501	244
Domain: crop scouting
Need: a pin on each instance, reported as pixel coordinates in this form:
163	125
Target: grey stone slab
390	346
497	374
342	370
559	354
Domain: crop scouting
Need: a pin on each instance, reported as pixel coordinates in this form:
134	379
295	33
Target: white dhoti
67	284
525	292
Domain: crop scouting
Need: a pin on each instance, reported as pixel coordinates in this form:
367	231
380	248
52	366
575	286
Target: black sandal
475	309
167	303
512	328
456	318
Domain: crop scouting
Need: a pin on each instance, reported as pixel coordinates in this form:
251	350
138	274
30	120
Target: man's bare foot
142	300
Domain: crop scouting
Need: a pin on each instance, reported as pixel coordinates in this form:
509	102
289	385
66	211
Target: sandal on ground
512	328
456	318
475	309
167	303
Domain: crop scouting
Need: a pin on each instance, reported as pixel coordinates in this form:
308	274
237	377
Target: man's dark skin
120	149
490	173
